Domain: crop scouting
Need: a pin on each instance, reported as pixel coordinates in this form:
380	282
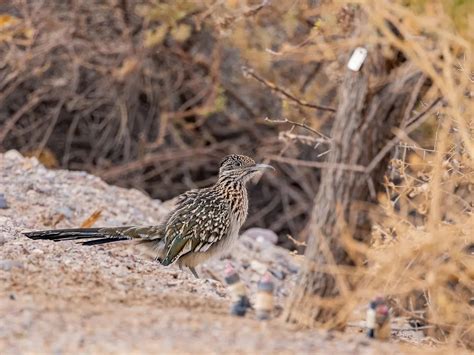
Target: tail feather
95	236
65	234
104	241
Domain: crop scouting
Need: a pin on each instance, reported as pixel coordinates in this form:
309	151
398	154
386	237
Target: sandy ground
64	298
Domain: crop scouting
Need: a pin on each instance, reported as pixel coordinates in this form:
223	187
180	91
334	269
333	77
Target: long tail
95	236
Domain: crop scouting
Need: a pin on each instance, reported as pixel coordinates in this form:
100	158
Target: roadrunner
204	223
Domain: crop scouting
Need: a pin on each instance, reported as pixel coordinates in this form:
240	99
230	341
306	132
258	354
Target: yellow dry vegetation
423	236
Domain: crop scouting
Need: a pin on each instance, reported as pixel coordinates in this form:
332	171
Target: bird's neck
235	192
230	186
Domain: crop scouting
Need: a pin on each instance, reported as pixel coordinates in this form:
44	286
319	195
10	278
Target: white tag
357	59
370	320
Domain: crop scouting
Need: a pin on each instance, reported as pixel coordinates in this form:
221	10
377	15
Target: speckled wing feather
201	219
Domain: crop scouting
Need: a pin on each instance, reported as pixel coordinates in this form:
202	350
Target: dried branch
302	125
317	164
250	72
412	124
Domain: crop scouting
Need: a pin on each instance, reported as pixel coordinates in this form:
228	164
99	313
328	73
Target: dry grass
421	257
426	237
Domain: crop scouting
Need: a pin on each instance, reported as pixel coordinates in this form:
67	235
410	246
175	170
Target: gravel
65	298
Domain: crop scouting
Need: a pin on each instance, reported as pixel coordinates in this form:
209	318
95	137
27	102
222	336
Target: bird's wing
198	222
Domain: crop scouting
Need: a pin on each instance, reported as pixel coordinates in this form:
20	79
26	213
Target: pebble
7	265
280	275
3	201
37	252
259	267
262	235
50	175
13	154
44	189
66	211
292	268
31	194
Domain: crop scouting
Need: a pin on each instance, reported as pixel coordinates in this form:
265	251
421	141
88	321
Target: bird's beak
263	167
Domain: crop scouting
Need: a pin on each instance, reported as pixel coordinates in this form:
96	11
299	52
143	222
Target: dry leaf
181	33
155	36
128	66
89	222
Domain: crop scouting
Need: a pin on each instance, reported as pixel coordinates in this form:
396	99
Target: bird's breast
240	207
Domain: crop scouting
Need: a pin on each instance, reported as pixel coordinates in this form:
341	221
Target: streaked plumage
204	223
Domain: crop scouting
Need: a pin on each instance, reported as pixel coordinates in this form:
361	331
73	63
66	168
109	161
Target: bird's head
240	168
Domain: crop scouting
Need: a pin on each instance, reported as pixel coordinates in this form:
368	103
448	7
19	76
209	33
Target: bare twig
296	242
252	11
413	120
318	164
308	140
302	125
250	72
412	124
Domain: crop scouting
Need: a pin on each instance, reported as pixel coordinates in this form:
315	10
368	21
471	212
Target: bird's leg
193	270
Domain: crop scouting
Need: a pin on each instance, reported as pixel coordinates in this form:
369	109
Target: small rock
34	162
254	278
50	175
329	335
258	267
7	265
364	343
212	283
247	243
280	275
65	211
292	268
44	189
262	234
13	155
245	263
37	252
31	194
3	201
220	293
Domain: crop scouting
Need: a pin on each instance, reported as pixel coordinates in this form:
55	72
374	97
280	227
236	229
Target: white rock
7	265
37	252
261	234
13	154
258	267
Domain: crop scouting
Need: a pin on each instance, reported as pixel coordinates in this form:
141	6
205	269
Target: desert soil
65	298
